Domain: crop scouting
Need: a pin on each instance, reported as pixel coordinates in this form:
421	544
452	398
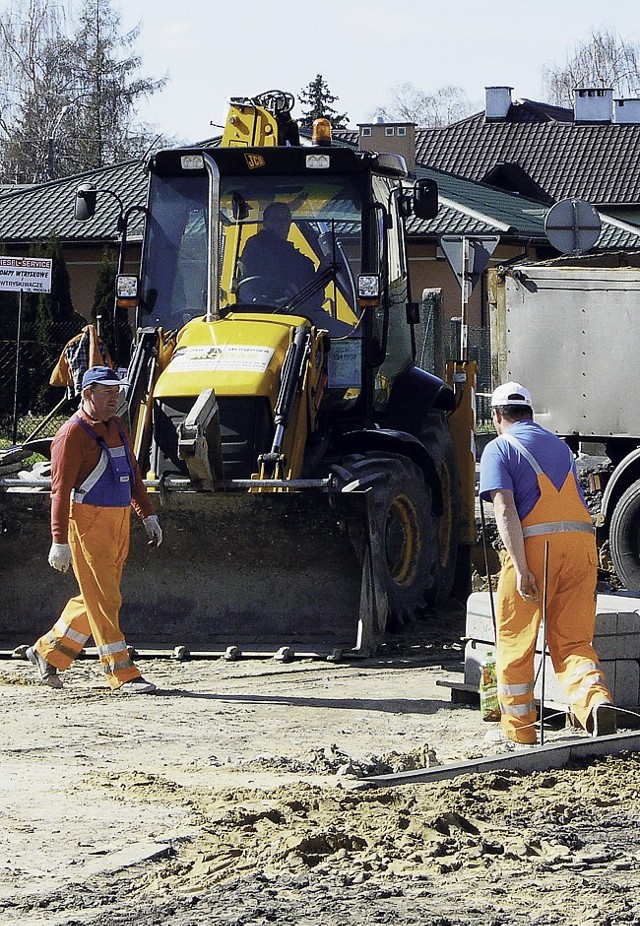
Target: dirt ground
231	797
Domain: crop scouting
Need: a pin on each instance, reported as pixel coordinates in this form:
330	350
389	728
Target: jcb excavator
305	466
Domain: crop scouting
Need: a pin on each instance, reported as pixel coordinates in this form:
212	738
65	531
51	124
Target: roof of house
33	213
29	214
471	208
541	151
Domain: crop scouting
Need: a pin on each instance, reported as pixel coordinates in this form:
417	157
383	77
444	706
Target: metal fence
480	351
438	340
26	397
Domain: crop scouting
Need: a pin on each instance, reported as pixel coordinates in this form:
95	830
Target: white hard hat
511	394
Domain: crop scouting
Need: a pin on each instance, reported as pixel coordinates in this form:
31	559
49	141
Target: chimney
389	138
626	112
593	104
498	102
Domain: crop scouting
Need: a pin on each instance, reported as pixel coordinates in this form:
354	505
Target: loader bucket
256	571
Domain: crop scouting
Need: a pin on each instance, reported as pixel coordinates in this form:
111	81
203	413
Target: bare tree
605	60
105	77
28	89
409	104
68	91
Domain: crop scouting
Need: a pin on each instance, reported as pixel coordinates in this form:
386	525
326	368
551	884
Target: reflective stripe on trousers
99	541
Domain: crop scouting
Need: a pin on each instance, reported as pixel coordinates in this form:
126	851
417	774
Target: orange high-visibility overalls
560	519
99	525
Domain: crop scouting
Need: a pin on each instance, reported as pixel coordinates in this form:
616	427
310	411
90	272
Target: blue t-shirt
502	466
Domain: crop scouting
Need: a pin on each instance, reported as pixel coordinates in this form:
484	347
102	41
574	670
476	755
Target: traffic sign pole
17	376
468	257
23	275
464	304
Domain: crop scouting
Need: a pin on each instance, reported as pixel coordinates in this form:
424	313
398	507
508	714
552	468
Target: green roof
35	213
471	208
467	207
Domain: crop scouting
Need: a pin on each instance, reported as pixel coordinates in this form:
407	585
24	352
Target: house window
365	131
402	130
389	131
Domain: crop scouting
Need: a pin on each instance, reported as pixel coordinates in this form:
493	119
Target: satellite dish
572	226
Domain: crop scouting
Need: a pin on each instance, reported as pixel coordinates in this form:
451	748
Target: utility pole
51	143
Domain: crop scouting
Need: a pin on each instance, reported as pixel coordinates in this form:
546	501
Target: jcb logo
254	160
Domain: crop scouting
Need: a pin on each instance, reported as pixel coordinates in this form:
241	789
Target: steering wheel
257	290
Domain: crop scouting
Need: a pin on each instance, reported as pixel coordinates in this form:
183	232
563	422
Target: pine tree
317	98
102	309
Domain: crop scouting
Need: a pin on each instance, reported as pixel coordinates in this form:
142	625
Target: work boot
602	721
48	673
136	686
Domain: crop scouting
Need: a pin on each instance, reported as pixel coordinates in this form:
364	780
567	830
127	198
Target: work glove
60	556
153	529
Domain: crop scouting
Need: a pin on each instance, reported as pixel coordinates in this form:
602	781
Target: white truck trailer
570	331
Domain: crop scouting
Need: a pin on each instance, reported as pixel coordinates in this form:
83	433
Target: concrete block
615	617
622	675
617	646
606	622
474	654
618	601
626	683
629	623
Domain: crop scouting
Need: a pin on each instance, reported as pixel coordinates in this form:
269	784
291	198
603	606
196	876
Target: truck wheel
624	537
401	508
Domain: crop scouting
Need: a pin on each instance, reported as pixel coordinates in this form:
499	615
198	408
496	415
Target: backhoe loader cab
345	226
304	462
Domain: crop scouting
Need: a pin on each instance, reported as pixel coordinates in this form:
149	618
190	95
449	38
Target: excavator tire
400	506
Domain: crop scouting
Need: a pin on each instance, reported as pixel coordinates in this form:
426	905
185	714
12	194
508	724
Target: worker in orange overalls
530	476
95	480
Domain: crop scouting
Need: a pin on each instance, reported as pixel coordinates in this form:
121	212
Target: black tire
401	506
624	537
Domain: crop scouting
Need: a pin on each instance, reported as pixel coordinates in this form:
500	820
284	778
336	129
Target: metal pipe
213	253
183	484
486	570
544	638
17	372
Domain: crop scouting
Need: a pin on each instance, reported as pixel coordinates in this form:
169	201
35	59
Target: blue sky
213	49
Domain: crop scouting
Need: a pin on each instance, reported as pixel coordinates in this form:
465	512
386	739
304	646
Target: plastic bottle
489	705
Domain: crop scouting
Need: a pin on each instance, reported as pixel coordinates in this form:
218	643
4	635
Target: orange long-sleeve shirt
74	455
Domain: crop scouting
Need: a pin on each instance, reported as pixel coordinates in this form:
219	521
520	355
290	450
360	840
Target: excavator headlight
318	161
321	132
192	162
126	290
369	286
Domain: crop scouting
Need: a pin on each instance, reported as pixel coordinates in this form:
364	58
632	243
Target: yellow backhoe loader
310	490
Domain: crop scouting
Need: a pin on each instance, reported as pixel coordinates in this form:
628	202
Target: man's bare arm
510	530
